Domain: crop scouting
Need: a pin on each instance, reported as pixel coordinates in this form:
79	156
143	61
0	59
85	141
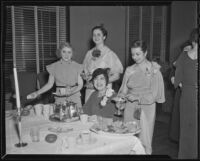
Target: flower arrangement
109	93
96	53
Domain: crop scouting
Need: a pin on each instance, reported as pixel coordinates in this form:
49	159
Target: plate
114	134
117	129
55	118
60	130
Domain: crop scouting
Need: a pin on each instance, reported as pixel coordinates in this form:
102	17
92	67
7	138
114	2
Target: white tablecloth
103	144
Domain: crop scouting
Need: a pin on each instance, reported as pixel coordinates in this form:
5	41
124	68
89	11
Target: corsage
109	93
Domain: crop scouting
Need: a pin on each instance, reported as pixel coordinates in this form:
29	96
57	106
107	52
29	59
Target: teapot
72	110
67	110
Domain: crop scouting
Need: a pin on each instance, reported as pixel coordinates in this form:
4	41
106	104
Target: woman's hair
62	45
100	71
187	43
141	44
194	35
103	30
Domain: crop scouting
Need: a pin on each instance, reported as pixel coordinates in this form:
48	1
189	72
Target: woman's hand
89	85
85	76
172	80
132	97
119	99
68	91
32	95
120	105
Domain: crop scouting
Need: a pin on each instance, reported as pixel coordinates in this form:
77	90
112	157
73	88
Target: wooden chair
27	84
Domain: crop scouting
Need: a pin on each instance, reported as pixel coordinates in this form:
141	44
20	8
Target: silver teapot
67	110
72	110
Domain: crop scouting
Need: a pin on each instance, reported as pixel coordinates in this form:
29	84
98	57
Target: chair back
27	84
43	78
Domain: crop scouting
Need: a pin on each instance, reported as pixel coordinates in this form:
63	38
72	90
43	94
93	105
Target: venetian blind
8	56
47	35
31	39
149	23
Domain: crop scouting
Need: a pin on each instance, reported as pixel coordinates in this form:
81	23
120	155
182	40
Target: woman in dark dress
99	103
174	130
186	77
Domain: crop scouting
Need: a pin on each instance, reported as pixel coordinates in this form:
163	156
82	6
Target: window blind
25	37
150	22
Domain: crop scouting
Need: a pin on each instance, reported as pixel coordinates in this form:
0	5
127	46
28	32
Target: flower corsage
109	93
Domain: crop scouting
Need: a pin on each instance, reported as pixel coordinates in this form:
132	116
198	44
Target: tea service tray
56	118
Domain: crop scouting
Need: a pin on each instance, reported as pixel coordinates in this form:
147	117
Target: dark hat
100	71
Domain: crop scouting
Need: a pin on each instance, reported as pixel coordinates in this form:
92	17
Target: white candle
16	88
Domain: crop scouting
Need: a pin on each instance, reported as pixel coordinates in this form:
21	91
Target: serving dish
117	129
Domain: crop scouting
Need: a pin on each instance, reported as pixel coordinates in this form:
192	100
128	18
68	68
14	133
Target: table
103	145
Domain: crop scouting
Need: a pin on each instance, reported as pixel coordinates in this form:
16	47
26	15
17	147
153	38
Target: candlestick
16	88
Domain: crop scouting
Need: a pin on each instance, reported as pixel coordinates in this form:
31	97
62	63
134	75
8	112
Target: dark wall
84	18
183	20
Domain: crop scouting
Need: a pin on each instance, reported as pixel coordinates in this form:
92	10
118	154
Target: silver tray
55	118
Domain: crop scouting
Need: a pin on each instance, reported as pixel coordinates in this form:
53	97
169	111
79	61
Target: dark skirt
174	130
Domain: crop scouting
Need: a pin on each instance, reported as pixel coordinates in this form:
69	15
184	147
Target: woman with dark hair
142	87
99	103
100	56
174	130
66	74
186	77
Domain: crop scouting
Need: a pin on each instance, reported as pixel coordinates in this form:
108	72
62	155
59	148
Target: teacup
86	137
46	111
84	118
38	109
35	134
51	109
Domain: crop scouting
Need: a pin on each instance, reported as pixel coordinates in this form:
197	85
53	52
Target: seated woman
99	103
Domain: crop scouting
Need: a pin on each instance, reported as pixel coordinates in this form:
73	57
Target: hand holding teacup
119	99
119	102
64	91
89	85
86	76
32	95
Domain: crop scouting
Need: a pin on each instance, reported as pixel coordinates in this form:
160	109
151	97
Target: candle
16	88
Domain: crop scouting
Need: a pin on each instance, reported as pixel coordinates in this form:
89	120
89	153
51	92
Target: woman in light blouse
142	87
66	74
101	56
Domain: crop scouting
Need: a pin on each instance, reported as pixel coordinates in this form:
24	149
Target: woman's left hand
132	97
68	91
89	85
